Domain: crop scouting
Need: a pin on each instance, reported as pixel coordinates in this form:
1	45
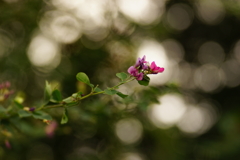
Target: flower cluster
142	68
4	91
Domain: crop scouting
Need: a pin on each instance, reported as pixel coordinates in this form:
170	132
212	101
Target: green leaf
23	113
83	78
122	76
121	95
47	92
97	90
75	95
56	96
144	81
20	106
2	110
69	100
110	92
41	115
64	117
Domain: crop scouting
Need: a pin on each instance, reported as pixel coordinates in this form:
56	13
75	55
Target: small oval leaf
122	76
144	81
110	92
83	78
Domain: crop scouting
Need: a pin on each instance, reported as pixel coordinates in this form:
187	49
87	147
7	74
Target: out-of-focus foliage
189	112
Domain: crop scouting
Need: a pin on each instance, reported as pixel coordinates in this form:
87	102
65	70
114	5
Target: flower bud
7	144
26	108
46	121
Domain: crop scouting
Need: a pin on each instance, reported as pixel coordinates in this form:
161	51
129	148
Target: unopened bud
46	121
26	108
32	109
7	144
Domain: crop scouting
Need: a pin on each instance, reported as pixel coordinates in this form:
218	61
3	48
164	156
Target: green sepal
121	95
110	92
122	76
64	117
23	113
41	115
144	81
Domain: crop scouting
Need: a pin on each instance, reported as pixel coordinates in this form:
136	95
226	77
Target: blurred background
189	112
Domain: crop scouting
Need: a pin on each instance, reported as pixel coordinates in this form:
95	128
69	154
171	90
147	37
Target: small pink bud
7	144
50	129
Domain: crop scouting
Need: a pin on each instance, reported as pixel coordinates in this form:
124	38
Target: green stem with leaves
92	93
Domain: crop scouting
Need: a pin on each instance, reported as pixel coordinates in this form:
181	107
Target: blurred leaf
41	115
2	109
84	78
20	106
23	113
121	95
97	89
64	117
122	76
56	96
144	81
69	100
47	92
3	112
75	95
110	92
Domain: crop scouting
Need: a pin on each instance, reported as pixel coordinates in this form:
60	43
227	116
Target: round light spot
168	112
174	50
130	156
208	77
211	52
179	16
129	130
152	10
197	119
210	12
44	52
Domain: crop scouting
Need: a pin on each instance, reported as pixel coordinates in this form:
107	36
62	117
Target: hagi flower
135	73
141	63
7	144
50	129
154	69
4	91
142	68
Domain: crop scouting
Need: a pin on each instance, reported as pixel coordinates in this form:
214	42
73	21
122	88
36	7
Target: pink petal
140	76
131	70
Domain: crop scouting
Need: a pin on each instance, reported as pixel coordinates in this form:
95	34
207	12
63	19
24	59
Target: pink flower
140	64
154	69
7	144
135	73
142	68
50	129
